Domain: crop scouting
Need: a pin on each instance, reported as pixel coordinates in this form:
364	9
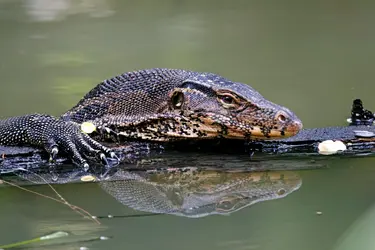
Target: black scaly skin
50	133
156	105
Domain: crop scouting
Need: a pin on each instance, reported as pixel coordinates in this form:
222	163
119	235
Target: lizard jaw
169	127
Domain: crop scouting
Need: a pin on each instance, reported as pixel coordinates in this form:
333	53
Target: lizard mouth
271	133
200	126
233	129
261	133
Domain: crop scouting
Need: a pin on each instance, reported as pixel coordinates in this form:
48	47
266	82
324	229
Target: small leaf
88	178
88	127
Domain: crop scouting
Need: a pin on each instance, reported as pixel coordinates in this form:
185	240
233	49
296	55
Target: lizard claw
113	155
53	154
86	166
104	159
113	159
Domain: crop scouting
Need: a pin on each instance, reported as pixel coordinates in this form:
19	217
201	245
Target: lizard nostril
281	118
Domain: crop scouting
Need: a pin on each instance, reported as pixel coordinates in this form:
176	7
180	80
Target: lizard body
155	105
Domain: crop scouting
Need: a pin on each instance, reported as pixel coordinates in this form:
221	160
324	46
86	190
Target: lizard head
165	104
218	107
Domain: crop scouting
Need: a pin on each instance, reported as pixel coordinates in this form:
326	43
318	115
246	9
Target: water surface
312	56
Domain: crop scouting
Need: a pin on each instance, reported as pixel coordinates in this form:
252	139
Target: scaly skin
155	105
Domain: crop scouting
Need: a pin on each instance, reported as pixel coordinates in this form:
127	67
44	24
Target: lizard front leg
53	135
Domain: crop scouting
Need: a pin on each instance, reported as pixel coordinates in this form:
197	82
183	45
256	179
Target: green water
311	56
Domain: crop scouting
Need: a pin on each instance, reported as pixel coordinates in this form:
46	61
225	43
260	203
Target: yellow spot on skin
87	178
88	127
330	147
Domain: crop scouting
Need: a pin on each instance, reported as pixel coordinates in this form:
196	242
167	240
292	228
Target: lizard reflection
198	194
192	193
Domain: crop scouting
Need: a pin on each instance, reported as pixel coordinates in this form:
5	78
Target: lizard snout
289	124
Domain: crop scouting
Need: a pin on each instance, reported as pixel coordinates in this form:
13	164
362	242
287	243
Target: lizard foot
67	137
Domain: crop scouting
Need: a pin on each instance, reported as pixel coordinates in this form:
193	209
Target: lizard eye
177	99
227	100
